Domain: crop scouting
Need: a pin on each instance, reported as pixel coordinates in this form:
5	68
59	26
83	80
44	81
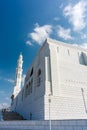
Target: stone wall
64	75
33	103
68	83
44	125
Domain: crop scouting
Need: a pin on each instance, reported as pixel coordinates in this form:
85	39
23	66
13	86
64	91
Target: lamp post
49	112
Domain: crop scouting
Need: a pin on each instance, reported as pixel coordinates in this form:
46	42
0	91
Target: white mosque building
56	81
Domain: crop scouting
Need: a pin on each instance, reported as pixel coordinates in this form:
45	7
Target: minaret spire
18	79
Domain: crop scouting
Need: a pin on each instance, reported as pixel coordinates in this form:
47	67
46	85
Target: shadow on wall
83	58
84	100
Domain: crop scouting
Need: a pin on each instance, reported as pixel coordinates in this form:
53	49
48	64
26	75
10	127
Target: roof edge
53	41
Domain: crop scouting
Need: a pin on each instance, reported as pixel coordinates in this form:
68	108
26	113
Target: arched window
39	72
29	88
39	78
26	90
22	94
31	73
31	85
82	58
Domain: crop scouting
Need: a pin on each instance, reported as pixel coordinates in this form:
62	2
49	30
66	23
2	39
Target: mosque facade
55	85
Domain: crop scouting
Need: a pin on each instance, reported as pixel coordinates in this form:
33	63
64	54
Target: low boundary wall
44	125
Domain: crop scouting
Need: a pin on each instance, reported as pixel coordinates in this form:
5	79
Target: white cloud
7	98
83	36
84	45
29	43
2	92
56	18
40	33
4	105
9	80
61	6
77	14
64	33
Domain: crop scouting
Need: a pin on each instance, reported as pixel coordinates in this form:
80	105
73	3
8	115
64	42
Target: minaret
18	79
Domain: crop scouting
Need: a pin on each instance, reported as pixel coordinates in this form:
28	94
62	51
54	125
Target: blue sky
25	24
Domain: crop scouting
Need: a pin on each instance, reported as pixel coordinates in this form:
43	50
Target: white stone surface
41	125
64	76
18	79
